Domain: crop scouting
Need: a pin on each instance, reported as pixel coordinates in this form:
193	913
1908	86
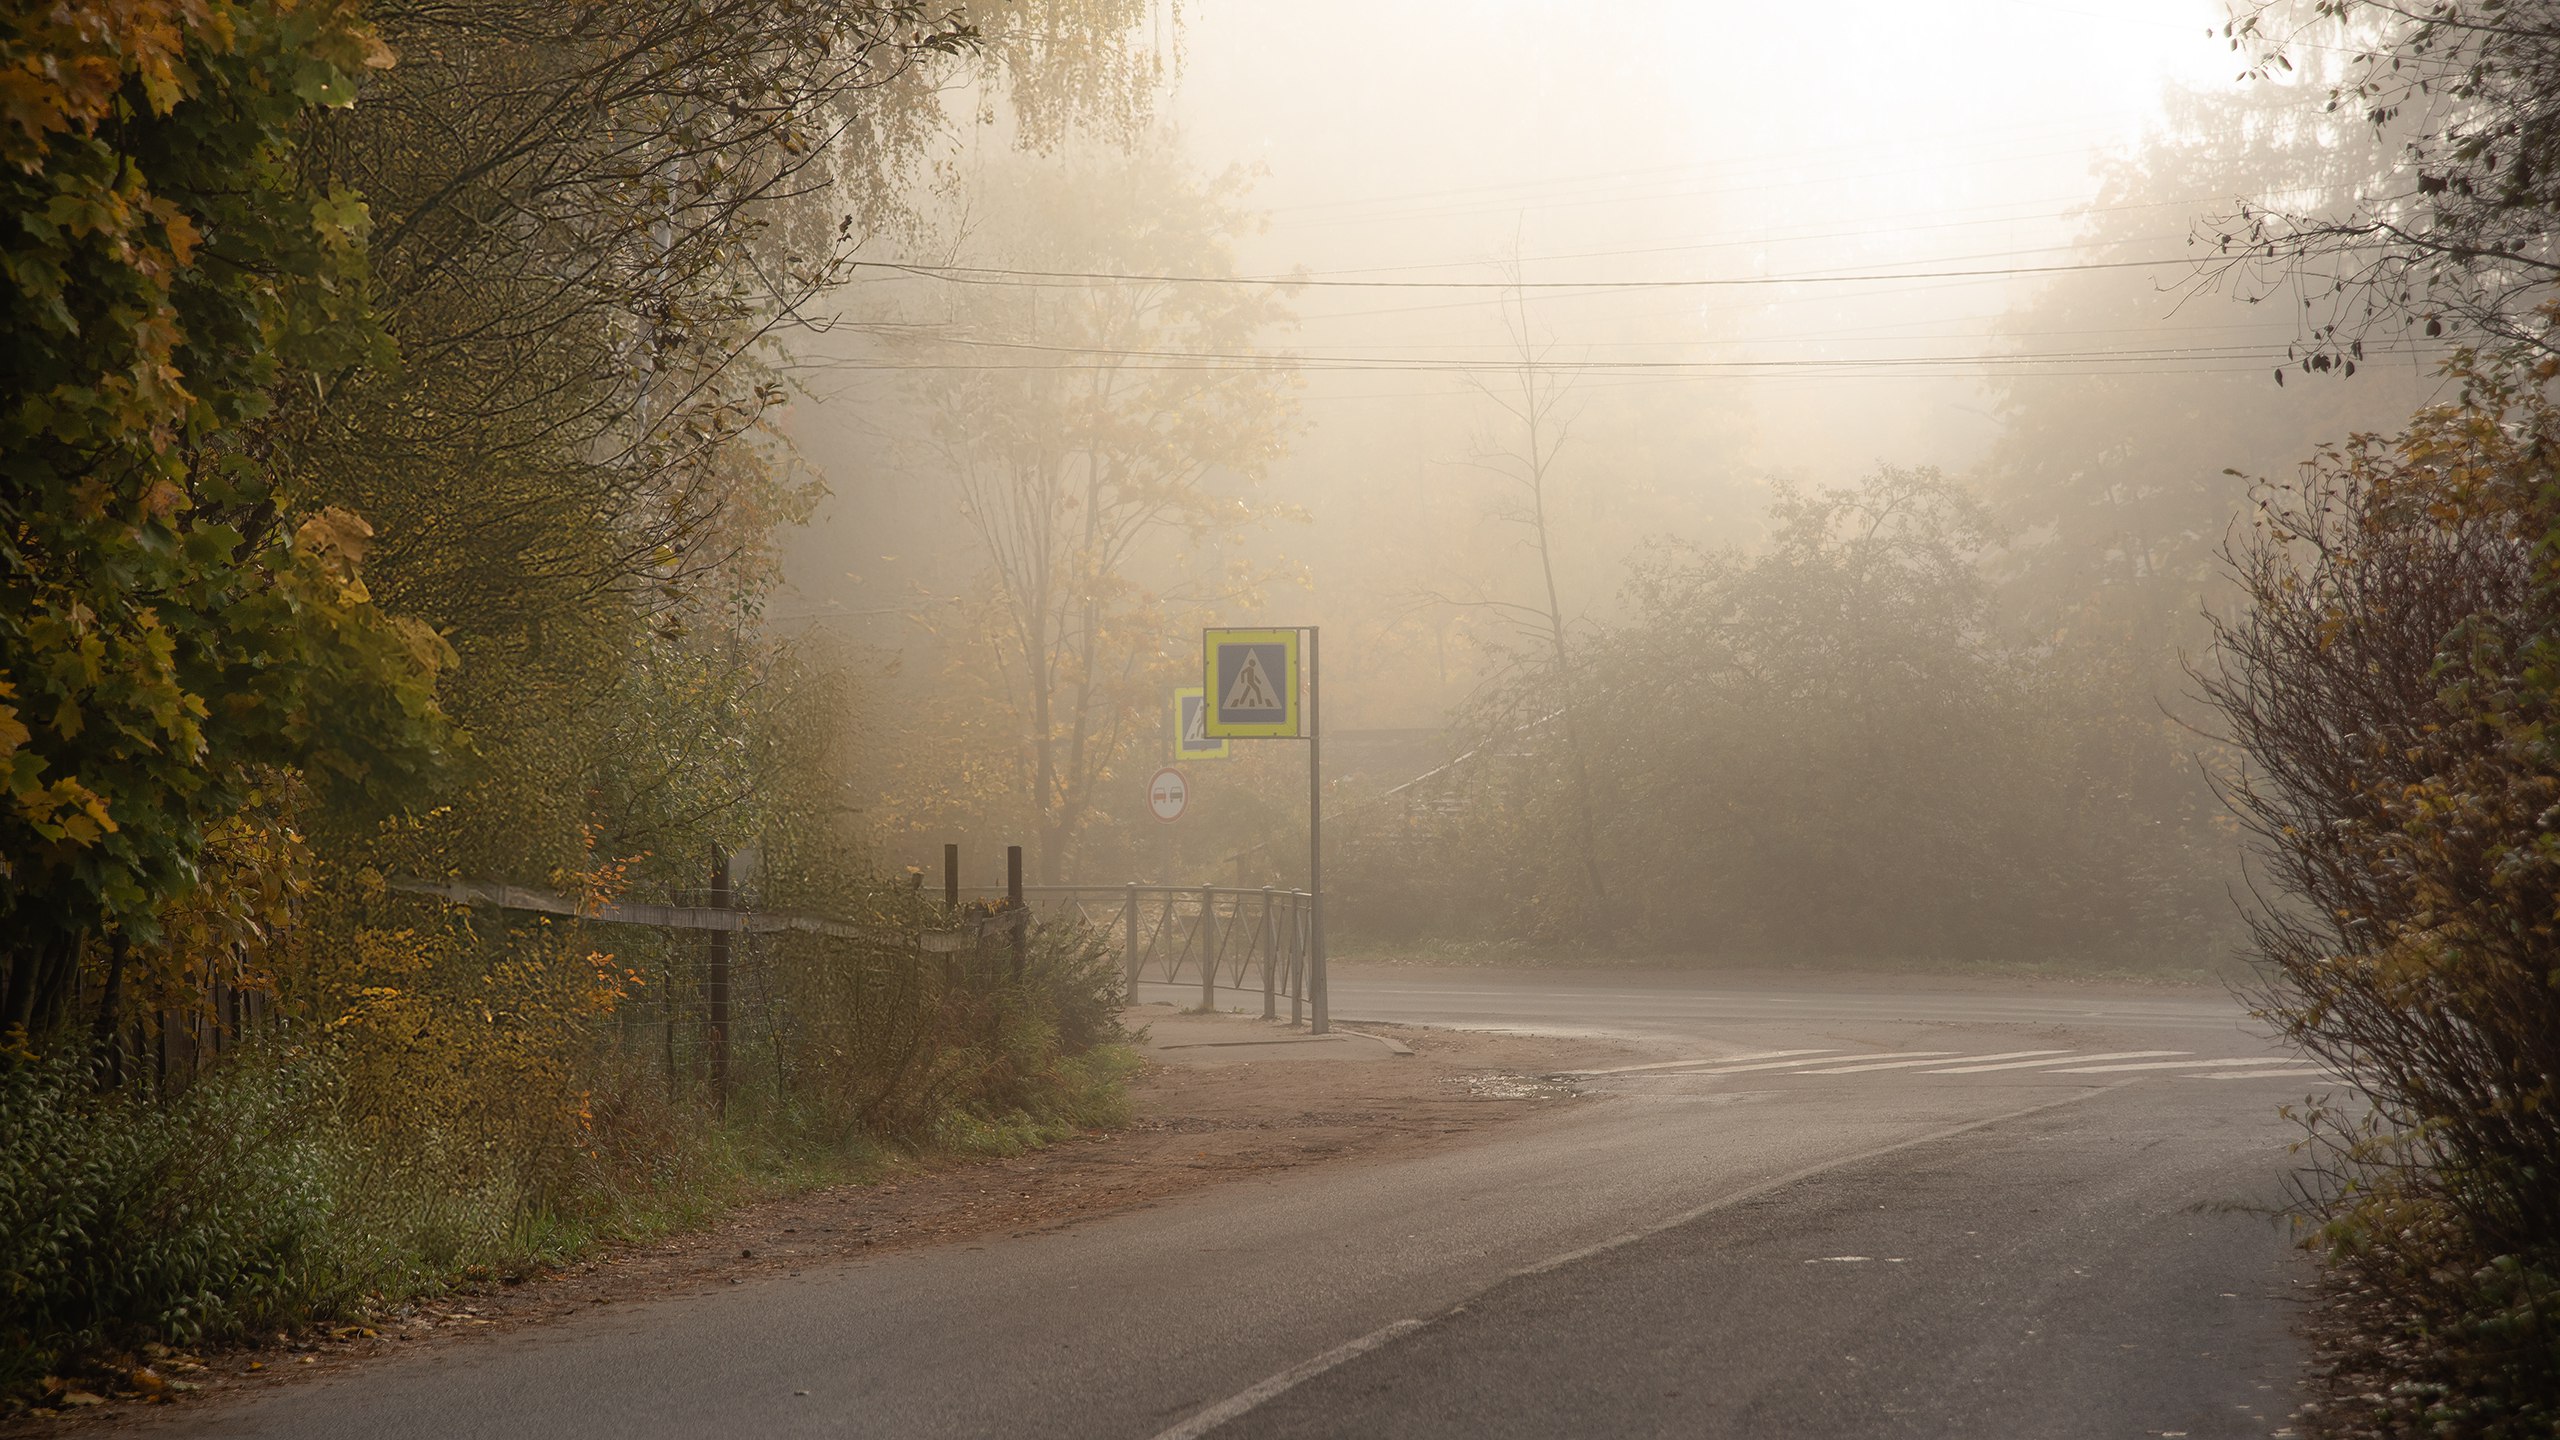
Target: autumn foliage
350	535
2393	677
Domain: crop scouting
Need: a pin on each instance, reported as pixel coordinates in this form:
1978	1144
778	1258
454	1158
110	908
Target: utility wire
1181	362
998	275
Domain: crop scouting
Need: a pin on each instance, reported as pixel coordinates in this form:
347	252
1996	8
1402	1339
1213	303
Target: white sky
1415	140
1643	140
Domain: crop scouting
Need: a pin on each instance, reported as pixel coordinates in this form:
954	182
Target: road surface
1847	1209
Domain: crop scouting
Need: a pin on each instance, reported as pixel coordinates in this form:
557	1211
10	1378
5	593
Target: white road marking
1777	1183
2262	1074
1718	1060
1244	1400
2227	1062
1861	1069
1792	1064
2068	1059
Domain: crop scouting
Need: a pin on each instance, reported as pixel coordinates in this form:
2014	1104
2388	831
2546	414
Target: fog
1908	294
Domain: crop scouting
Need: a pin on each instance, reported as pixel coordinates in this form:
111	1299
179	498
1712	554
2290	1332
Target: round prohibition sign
1167	794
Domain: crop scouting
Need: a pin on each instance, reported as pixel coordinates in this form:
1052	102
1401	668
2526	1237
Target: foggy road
1846	1209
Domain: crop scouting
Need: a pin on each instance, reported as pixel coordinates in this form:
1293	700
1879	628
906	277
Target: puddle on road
1500	1085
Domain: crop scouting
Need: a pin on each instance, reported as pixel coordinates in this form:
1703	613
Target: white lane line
1766	1187
2226	1062
1792	1064
1715	1060
1244	1400
2294	1074
1914	1064
2067	1059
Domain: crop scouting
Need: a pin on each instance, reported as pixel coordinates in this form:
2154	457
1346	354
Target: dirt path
1200	1116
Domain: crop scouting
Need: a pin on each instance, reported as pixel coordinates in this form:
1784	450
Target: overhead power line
996	275
1214	362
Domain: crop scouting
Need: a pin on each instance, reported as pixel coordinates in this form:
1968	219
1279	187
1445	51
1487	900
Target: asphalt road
1944	1210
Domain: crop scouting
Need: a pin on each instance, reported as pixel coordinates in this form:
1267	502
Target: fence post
1270	960
951	878
1021	918
1297	959
715	985
1208	947
1131	917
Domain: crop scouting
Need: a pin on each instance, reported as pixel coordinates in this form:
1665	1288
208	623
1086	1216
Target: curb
1394	1047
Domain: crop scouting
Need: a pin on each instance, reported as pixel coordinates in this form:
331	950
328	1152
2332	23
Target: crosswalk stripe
1862	1068
1793	1064
1715	1060
2226	1063
2067	1059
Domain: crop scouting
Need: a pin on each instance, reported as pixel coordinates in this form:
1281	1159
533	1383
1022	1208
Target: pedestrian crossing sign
1191	737
1250	680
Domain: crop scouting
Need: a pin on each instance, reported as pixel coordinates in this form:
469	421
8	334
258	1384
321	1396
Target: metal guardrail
1223	937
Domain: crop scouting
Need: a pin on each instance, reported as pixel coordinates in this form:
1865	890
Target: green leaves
160	632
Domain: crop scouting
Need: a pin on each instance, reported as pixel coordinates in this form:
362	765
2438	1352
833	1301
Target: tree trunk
108	1033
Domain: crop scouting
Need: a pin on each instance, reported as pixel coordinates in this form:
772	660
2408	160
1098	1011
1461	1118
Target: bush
245	1204
418	1141
2392	681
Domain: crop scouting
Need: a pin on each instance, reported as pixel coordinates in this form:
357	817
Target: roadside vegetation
1901	718
2391	680
393	485
390	491
2391	671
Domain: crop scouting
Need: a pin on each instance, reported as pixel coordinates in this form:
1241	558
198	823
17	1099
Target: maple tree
171	617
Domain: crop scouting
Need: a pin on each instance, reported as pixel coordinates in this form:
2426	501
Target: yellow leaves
63	65
430	651
13	731
335	534
181	232
163	500
65	811
337	538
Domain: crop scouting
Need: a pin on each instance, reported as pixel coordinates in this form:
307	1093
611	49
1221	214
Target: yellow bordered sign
1251	680
1191	740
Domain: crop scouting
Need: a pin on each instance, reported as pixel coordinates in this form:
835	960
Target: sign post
1252	687
1317	987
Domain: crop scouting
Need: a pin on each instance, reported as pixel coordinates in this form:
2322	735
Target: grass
257	1202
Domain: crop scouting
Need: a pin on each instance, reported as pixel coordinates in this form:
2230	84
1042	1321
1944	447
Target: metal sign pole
1315	849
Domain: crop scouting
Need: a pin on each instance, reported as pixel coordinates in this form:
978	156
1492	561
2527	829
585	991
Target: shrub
2392	682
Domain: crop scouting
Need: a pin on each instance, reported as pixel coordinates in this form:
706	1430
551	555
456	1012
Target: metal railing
1221	937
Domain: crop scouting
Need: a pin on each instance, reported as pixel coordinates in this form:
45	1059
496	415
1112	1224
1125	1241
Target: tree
596	228
1826	746
1810	724
1102	472
173	612
1521	454
2119	485
2458	233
